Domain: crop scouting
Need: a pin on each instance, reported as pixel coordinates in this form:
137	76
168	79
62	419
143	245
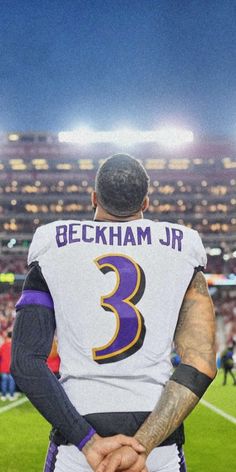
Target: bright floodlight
173	136
13	137
82	136
126	136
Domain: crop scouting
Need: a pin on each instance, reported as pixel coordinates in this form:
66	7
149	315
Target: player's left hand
124	459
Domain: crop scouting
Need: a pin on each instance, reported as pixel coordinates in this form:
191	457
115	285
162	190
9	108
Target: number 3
130	327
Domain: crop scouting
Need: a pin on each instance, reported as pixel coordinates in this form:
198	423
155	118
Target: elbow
209	368
206	364
21	374
19	367
213	370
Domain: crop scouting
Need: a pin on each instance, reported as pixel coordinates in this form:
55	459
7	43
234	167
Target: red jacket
5	357
53	363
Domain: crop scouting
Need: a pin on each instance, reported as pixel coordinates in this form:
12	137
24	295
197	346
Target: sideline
218	411
14	404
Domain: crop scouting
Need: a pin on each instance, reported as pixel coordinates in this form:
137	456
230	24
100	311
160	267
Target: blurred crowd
226	308
7	312
216	264
14	264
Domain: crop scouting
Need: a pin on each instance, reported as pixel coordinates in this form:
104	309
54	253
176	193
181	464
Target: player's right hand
97	448
124	459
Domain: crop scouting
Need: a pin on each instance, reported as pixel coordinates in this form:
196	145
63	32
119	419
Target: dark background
107	63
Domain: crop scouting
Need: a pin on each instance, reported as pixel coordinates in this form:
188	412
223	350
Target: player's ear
94	199
145	204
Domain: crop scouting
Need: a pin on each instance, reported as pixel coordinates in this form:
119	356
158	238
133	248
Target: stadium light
226	257
126	136
81	136
13	137
11	243
169	137
215	251
172	137
123	136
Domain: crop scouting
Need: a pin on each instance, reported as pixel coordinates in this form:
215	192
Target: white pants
70	459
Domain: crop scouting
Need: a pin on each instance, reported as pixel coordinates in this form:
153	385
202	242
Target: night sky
112	63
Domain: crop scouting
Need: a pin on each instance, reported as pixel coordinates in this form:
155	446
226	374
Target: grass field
210	438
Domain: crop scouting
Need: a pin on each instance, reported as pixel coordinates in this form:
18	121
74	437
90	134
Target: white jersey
117	289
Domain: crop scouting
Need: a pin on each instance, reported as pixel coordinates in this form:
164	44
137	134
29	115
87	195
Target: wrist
145	443
88	441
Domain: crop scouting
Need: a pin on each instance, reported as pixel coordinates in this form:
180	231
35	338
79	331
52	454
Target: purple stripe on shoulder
51	458
86	439
35	297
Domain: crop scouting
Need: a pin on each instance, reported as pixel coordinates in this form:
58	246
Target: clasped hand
115	453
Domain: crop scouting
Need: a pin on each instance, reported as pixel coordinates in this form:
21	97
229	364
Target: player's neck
103	215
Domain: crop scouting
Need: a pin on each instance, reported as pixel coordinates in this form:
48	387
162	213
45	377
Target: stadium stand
42	179
45	180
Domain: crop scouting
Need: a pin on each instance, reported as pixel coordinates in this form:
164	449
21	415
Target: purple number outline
130	326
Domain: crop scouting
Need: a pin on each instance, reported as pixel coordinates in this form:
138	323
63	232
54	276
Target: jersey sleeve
35	289
197	253
39	245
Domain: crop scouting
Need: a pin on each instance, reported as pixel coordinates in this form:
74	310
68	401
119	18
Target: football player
118	290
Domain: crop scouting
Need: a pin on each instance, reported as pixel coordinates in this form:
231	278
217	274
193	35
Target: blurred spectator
54	359
7	312
8	386
228	363
175	359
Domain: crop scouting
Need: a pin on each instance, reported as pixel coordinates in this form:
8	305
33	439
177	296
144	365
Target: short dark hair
121	185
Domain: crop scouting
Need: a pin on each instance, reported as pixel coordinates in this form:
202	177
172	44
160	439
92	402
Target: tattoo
199	284
175	403
195	343
185	308
195	331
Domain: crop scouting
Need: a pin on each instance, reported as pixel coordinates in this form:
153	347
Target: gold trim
113	309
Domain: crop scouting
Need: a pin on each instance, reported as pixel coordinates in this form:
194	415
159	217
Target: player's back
117	289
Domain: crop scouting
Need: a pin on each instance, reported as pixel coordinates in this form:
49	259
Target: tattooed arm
195	343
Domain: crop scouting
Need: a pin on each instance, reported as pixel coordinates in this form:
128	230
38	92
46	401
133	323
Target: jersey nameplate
115	235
